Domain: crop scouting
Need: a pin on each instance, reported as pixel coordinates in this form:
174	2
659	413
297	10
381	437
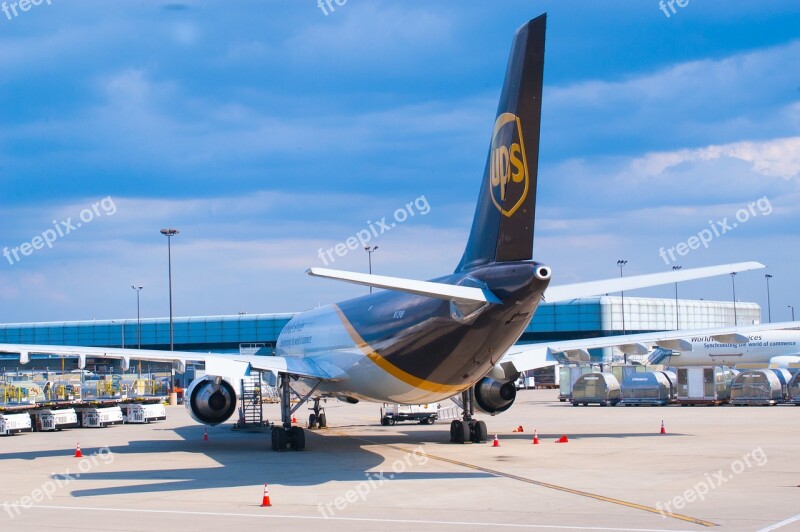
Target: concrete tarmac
718	468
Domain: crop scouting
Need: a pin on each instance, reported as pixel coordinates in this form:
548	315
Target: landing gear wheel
297	439
462	433
479	432
279	438
312	421
322	421
454	426
467	432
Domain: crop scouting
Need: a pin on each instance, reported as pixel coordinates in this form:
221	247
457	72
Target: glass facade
204	333
581	318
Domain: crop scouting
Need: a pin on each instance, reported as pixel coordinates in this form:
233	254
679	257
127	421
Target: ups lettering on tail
508	168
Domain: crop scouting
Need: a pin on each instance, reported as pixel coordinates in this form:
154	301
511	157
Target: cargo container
785	377
622	371
704	385
596	388
756	387
794	389
567	377
647	388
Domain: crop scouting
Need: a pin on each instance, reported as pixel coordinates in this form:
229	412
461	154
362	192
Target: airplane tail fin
502	229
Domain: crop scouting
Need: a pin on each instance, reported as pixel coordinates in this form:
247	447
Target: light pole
769	304
169	233
733	284
370	251
791	307
138	318
677	313
621	263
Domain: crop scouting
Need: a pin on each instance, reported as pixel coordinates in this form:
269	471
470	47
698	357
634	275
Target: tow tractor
392	413
13	422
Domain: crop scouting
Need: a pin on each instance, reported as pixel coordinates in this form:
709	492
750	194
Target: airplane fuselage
760	349
404	348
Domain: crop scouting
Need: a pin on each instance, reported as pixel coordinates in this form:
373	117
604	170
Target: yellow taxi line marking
539	483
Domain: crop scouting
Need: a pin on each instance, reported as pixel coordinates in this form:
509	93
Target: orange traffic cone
265	501
78	453
205	434
563	439
535	437
496	442
294	419
519	429
663	431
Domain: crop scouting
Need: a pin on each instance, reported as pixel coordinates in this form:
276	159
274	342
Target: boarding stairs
251	415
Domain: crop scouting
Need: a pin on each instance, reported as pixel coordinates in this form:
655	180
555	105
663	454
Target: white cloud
777	157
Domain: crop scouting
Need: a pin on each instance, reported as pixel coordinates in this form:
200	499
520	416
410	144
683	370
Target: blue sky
266	130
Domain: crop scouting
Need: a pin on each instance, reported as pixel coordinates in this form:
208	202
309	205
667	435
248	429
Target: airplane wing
532	356
617	284
301	367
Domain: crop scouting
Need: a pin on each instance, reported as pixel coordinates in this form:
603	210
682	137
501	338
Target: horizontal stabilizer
450	292
618	284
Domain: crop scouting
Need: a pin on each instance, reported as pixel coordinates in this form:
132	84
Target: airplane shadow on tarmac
245	459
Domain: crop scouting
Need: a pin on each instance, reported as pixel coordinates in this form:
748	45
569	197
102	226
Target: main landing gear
467	429
286	435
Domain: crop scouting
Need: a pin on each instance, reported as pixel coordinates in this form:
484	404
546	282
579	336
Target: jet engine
783	361
494	396
210	400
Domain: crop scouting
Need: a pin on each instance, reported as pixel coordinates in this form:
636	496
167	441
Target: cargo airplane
417	341
775	344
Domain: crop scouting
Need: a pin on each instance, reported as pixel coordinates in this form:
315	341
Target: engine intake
493	396
210	400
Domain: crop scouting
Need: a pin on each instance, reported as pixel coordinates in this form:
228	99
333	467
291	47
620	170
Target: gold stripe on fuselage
390	368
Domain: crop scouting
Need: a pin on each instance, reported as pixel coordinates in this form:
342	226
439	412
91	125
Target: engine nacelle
783	361
494	396
210	400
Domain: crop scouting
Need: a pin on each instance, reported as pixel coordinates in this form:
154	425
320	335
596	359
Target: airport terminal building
580	318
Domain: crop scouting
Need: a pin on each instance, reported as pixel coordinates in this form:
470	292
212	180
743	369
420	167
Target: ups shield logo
508	168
